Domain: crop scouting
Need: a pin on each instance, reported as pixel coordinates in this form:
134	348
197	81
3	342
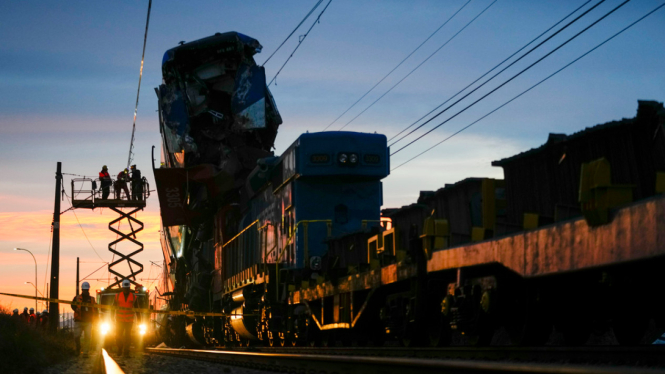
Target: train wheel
576	333
439	332
530	333
532	328
629	328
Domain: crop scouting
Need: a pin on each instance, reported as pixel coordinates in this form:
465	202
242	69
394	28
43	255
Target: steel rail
645	355
106	365
321	363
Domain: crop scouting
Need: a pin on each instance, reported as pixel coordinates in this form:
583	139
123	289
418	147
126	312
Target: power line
419	65
509	80
398	65
82	230
302	39
482	76
292	32
136	108
532	87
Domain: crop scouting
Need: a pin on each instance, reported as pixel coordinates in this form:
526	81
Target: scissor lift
91	198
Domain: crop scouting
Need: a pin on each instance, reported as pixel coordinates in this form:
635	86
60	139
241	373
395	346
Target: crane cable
138	91
398	65
532	87
302	39
484	75
292	32
419	65
510	79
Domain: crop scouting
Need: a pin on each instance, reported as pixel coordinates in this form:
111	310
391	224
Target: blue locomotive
325	185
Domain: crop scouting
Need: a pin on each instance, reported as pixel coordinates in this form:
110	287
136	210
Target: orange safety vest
124	315
77	312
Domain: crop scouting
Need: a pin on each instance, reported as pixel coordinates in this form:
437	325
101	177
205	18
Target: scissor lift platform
107	203
86	195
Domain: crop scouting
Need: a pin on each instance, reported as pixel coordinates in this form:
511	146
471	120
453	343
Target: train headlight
105	328
142	329
353	158
343	158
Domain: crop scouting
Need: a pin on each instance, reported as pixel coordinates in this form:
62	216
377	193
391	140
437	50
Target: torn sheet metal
215	105
249	104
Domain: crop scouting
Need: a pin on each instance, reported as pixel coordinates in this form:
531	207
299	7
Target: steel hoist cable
138	91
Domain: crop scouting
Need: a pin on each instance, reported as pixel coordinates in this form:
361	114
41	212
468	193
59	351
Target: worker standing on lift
124	319
105	179
121	183
137	184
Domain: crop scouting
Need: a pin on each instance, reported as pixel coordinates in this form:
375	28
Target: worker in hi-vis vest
124	319
84	316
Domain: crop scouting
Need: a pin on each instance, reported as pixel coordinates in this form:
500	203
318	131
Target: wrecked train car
217	118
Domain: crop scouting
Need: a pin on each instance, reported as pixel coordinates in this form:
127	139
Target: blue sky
69	70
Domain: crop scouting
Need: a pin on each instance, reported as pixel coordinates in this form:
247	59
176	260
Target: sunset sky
69	71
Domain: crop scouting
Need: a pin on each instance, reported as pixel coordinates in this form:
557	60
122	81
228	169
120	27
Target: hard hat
39	313
85	286
25	309
125	283
104	167
16	310
32	310
133	166
126	170
44	311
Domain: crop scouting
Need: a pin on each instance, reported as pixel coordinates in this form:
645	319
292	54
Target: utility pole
55	262
48	309
77	276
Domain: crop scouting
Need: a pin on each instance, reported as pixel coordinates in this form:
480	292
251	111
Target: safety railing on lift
91	193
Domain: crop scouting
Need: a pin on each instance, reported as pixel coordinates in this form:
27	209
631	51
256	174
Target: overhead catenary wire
532	87
419	65
398	65
511	78
484	75
302	39
82	230
138	91
294	30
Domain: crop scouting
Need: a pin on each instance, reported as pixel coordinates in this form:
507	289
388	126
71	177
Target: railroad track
609	355
450	360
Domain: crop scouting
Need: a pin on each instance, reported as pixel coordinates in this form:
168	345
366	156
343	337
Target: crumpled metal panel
248	102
